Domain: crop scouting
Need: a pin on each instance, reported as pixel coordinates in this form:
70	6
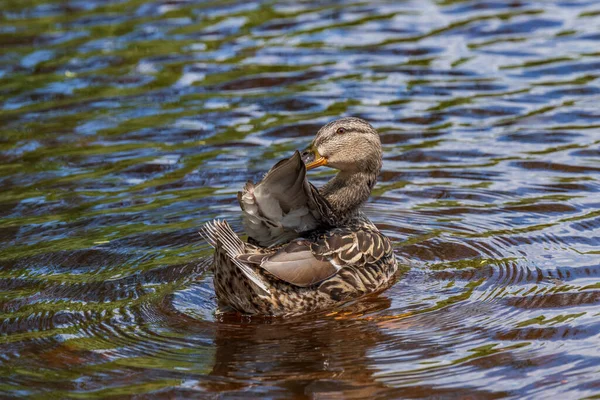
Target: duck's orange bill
319	162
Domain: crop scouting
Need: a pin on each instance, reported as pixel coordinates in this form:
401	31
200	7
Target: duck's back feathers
301	262
307	262
282	205
353	246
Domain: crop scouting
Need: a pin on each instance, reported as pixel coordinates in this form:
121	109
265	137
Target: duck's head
349	144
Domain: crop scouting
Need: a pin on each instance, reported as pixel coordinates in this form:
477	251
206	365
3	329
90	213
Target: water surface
127	124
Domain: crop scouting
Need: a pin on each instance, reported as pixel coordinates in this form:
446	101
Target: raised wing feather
282	205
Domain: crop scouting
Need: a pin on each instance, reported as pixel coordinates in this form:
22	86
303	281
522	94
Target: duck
308	249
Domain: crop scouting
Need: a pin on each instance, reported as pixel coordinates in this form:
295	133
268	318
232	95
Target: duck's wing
282	205
305	263
294	263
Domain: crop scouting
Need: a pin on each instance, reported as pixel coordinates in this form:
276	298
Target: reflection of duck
308	249
304	357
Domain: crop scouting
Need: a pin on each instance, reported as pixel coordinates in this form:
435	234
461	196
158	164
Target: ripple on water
126	125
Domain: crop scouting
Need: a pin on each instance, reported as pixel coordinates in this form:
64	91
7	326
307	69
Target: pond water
125	125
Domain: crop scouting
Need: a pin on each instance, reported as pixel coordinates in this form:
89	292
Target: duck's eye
340	131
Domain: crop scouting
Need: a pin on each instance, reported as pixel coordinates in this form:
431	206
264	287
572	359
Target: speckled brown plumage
341	256
364	254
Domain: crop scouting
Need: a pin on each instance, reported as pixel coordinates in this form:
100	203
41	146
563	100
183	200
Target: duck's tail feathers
219	234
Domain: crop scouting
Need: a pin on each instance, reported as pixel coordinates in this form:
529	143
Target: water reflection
127	124
299	357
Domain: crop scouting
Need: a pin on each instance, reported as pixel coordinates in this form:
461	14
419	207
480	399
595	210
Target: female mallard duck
308	248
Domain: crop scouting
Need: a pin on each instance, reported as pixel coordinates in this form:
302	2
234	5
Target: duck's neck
347	192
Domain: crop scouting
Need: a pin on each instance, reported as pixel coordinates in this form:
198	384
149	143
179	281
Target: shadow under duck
308	249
